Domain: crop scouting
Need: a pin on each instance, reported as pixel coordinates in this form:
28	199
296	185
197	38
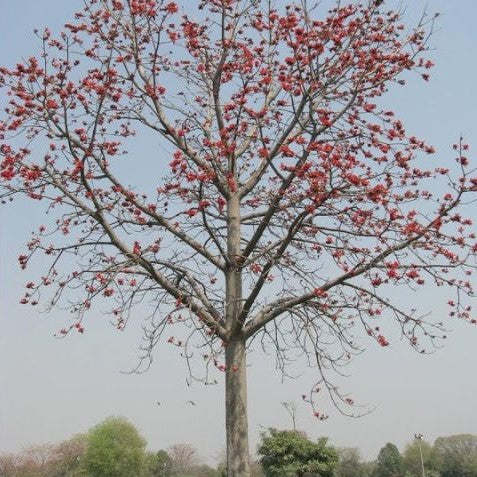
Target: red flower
51	104
320	293
382	340
263	152
286	151
369	107
137	248
231	183
171	8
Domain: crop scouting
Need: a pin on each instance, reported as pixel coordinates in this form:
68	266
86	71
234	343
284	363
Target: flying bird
191	402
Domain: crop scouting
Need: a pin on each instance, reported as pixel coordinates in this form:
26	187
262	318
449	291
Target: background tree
369	467
412	458
184	458
350	463
291	453
456	455
158	464
204	470
47	460
298	201
37	460
290	407
389	462
9	463
114	447
68	456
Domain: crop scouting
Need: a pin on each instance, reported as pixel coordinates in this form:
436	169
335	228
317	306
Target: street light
419	437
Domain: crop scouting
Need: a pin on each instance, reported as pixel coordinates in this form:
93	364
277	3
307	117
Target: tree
114	448
159	464
184	458
37	460
68	455
291	453
292	202
369	468
9	464
62	460
456	455
389	462
290	407
412	458
349	464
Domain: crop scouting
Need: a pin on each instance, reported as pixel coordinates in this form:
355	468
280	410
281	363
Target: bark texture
236	410
235	353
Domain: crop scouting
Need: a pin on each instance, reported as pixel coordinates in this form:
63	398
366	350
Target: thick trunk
235	380
236	410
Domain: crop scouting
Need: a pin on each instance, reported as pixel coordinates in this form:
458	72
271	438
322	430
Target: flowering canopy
278	164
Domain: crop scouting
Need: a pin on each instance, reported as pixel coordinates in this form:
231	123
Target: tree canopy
114	448
412	457
350	463
389	462
158	464
291	453
456	455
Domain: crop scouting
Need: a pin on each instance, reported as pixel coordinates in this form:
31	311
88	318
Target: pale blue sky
50	389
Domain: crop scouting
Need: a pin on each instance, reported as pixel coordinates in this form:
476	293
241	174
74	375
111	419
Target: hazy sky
51	389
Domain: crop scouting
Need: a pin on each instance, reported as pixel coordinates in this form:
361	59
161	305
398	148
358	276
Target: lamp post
419	437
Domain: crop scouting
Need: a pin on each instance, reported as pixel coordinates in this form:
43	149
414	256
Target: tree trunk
236	421
236	410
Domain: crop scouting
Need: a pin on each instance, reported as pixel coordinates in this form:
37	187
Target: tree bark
236	420
236	410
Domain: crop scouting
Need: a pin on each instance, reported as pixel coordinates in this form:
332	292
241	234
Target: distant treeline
115	448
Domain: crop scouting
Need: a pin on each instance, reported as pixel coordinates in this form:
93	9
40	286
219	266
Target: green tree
389	463
456	456
412	458
158	464
114	449
291	453
350	464
369	468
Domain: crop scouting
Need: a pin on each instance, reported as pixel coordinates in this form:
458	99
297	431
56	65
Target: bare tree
290	408
184	458
292	202
37	460
68	454
9	464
